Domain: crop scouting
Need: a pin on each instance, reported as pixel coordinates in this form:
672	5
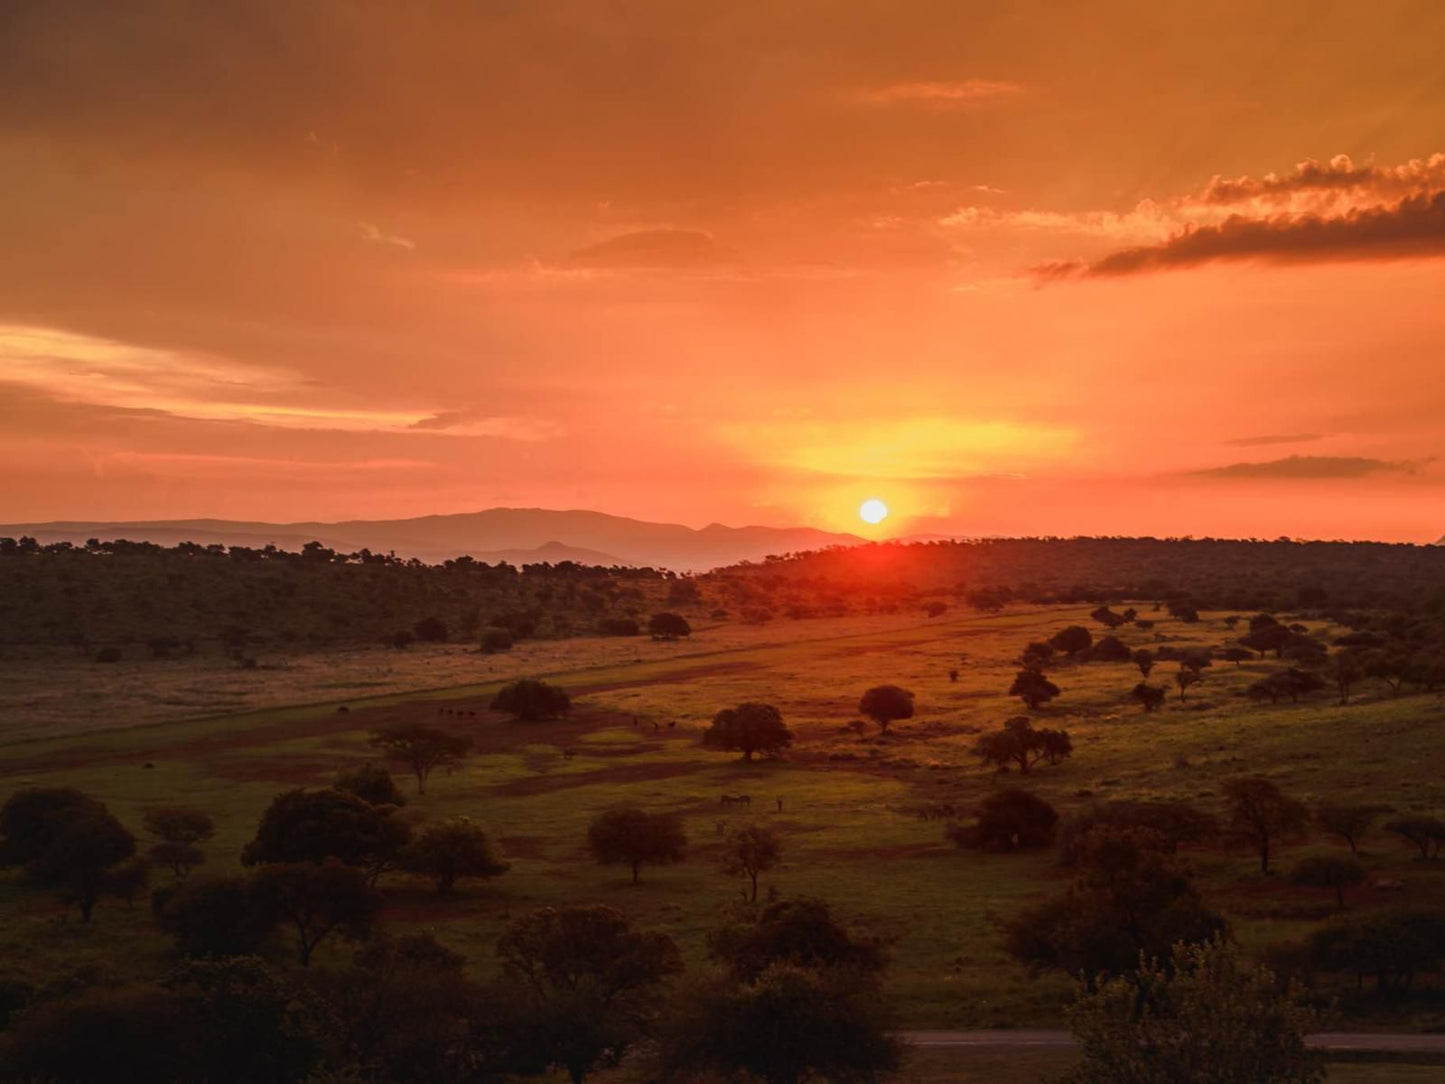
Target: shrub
1009	820
531	700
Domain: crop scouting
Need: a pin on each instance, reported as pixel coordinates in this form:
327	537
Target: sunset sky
1014	268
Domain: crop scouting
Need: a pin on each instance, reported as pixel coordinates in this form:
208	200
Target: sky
1031	268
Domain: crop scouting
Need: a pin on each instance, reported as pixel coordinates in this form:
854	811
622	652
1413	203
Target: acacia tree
1327	871
1348	822
178	831
71	842
316	825
748	728
751	850
1131	899
1185	678
1261	815
1033	688
886	704
1204	1015
635	838
1426	833
318	901
591	984
422	748
1144	660
449	850
1019	744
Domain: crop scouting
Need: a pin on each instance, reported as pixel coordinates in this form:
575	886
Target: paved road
1062	1040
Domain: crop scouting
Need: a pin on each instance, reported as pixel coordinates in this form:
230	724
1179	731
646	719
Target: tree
1261	815
667	626
749	851
1033	688
1185	678
126	1035
1151	696
449	850
1271	636
1036	656
1110	649
495	640
787	1026
799	932
1203	1015
1009	820
1018	743
1130	899
1426	833
1072	640
591	983
71	842
1108	618
214	916
372	783
422	748
1293	683
886	704
318	901
531	700
1144	660
1173	822
1391	946
1236	655
748	728
316	825
1324	871
178	831
632	837
1348	822
31	819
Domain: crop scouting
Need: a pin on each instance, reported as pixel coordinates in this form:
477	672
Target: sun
872	511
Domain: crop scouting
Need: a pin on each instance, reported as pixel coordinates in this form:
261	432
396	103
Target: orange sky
1044	268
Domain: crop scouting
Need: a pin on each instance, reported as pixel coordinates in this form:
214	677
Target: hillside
516	535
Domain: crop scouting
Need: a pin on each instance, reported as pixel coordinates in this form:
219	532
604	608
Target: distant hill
516	535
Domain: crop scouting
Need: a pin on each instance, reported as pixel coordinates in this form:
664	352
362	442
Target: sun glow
872	511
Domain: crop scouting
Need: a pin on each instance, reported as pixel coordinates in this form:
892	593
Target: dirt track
1382	1043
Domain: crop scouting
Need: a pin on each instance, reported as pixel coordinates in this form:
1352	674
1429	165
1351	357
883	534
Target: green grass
846	819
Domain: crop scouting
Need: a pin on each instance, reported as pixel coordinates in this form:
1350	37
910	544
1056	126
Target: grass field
845	815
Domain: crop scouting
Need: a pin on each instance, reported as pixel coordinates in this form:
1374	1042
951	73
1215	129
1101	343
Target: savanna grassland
846	805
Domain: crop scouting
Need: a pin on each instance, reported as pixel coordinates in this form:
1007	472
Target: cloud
1413	227
82	369
1315	467
377	237
1339	174
959	94
1274	438
476	423
653	249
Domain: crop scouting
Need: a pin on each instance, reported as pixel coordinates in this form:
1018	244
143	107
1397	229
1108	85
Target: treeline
112	600
1211	574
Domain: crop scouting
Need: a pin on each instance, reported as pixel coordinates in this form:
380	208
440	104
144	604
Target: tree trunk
754	877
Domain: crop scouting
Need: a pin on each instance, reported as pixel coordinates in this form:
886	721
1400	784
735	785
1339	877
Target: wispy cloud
72	368
478	423
947	94
1339	175
1303	467
653	249
1274	438
377	236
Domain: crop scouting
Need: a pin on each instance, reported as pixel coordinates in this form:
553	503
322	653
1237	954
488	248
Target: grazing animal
568	754
672	725
737	799
342	710
148	764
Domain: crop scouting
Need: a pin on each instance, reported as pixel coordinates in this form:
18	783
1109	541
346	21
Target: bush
494	640
371	783
430	630
667	626
531	700
1010	820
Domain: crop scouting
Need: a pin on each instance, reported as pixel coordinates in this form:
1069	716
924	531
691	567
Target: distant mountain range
516	535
